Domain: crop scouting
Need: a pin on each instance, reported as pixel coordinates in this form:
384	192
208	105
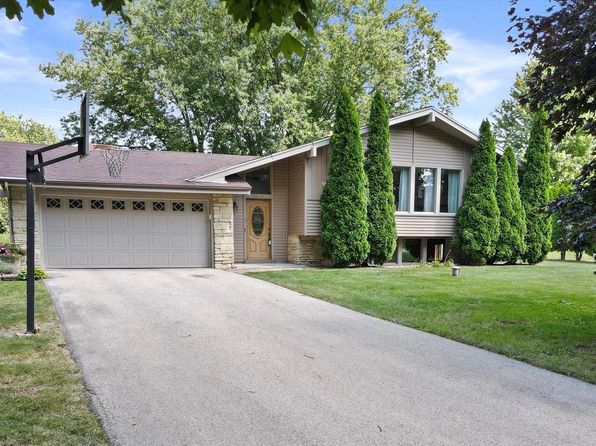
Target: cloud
482	71
11	27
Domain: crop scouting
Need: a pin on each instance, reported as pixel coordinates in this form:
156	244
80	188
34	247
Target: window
159	206
401	188
118	205
424	189
177	206
197	207
257	221
75	203
53	203
435	249
259	180
138	205
449	191
96	204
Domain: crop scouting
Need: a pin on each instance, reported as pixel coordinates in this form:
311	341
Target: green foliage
477	220
4	223
19	129
382	235
40	8
40	274
259	15
344	227
535	191
512	227
183	74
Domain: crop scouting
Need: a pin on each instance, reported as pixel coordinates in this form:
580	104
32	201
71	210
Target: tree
511	119
183	75
510	244
477	220
344	228
382	235
535	191
562	42
19	129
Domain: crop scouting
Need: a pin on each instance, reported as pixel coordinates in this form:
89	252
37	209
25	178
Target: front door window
258	221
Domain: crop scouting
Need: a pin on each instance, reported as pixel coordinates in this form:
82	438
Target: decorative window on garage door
97	204
197	207
75	203
177	206
53	203
138	205
118	205
159	206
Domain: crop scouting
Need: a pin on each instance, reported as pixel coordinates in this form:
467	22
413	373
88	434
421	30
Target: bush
382	236
344	229
535	191
39	274
510	244
477	220
3	215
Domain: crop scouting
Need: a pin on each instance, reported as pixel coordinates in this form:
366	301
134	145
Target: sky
480	63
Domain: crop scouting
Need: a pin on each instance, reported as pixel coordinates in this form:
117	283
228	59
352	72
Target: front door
258	214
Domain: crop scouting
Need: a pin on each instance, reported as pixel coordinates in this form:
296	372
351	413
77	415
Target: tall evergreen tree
477	220
382	235
518	222
510	244
344	228
535	191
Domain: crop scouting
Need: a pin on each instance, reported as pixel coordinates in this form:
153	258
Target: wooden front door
258	224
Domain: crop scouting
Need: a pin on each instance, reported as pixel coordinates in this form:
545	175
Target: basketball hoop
115	158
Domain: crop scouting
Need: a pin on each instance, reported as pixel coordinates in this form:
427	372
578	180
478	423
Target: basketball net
115	158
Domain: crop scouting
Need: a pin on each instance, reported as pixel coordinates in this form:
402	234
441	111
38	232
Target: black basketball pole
30	248
35	174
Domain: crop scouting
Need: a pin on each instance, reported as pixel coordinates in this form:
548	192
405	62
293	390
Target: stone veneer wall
18	215
223	231
304	249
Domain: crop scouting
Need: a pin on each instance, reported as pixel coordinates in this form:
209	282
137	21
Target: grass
4	237
42	399
543	314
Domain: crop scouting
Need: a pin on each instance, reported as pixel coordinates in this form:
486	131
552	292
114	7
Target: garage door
104	232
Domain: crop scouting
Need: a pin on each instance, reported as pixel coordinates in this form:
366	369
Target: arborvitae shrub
344	228
382	235
510	244
477	220
534	191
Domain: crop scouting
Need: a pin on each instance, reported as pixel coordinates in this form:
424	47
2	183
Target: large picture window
449	191
401	188
424	190
259	180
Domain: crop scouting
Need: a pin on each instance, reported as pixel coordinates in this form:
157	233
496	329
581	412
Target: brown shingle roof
144	168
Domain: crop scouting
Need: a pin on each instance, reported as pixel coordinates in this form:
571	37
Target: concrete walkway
189	357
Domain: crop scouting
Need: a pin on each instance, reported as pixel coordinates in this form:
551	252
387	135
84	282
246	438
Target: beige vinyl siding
425	226
401	145
279	211
239	229
434	148
316	175
296	197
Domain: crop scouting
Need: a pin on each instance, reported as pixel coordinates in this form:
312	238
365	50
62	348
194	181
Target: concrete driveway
189	357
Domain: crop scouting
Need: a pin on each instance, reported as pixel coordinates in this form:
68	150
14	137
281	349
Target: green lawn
42	400
543	314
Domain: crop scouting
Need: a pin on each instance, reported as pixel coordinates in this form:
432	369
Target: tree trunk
578	255
563	253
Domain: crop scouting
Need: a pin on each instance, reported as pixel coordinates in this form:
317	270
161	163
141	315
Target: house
174	209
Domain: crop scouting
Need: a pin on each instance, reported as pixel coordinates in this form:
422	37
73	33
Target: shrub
344	229
510	244
477	220
535	191
4	226
39	274
382	235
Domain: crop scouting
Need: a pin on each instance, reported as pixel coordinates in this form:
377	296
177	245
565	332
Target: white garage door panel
89	237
